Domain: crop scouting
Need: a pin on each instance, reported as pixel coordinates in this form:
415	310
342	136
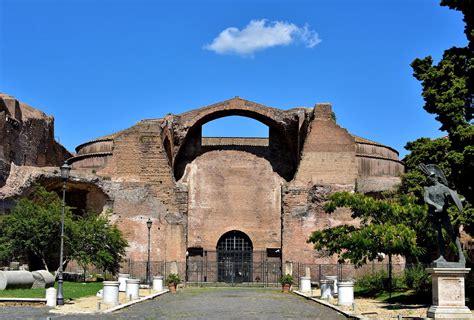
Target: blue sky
101	66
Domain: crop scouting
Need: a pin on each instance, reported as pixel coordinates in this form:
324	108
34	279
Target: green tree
390	226
97	242
33	229
448	91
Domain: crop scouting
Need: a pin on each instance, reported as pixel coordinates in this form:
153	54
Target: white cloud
260	35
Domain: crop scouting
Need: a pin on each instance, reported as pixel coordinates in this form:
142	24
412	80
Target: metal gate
234	258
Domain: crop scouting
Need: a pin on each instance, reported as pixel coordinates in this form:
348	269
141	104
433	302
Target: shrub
417	278
172	278
379	282
286	279
372	281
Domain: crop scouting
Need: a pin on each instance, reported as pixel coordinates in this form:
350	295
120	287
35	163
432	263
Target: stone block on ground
16	280
43	279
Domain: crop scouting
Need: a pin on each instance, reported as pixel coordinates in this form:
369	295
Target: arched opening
235	127
271	143
83	197
234	257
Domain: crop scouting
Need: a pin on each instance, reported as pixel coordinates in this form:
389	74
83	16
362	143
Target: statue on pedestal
438	197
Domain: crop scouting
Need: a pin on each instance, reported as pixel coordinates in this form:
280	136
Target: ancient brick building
204	194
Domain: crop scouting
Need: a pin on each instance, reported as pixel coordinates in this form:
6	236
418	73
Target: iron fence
343	271
260	270
233	268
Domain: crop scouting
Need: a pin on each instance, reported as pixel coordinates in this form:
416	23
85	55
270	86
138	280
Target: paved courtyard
204	303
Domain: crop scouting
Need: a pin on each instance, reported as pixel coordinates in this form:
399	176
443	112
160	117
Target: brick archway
283	132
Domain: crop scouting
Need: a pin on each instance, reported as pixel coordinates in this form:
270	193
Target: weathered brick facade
196	189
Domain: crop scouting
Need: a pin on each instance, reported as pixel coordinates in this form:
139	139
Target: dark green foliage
172	278
33	228
95	241
286	279
373	282
386	226
448	91
416	278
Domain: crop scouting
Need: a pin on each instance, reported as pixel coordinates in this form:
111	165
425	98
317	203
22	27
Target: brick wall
233	190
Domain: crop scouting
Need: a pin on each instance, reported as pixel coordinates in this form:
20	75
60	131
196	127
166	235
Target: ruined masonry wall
140	164
328	164
233	190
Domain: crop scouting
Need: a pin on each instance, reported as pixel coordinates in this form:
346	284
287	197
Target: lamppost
65	169
148	225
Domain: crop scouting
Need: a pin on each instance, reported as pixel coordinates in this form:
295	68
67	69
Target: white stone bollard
122	278
133	287
325	286
346	293
158	283
51	297
334	284
110	295
305	284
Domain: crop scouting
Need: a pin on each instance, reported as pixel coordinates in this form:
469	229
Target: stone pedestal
345	295
122	278
305	284
110	294
133	287
158	283
334	284
448	293
325	286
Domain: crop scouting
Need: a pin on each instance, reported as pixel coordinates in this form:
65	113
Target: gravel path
211	303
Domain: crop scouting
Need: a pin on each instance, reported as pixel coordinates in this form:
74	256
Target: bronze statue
438	197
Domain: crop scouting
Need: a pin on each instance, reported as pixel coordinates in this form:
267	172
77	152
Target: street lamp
148	225
65	169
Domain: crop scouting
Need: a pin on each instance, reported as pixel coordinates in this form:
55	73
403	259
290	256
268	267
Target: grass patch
72	290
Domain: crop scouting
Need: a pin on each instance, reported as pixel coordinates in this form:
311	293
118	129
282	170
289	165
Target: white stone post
305	284
122	278
448	293
174	267
325	286
288	268
133	287
334	284
51	295
158	283
345	295
110	295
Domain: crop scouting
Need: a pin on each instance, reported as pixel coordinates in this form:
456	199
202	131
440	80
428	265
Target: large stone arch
283	132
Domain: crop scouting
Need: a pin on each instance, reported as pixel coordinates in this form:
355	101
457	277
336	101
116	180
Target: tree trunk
390	275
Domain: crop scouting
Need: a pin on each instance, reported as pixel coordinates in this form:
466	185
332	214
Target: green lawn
72	290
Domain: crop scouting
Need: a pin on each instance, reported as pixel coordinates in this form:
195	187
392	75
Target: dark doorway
234	257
